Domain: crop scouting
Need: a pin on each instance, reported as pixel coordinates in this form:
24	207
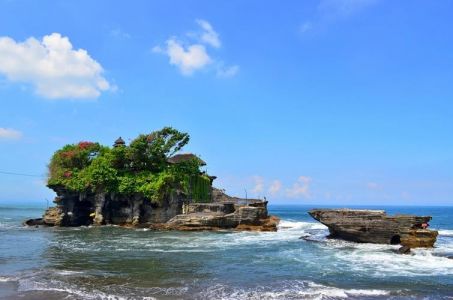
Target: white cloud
259	185
193	56
9	134
189	59
275	187
301	188
53	67
209	36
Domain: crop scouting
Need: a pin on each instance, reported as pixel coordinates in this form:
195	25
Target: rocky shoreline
176	213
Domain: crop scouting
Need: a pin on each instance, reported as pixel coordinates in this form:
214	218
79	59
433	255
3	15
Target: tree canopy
142	168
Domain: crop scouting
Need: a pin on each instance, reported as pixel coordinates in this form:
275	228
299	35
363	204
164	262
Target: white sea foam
298	225
290	290
445	232
26	285
382	260
68	272
6	279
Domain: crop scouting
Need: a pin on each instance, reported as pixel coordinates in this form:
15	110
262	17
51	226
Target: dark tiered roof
175	159
119	142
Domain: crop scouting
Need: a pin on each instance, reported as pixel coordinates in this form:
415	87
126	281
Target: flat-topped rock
226	215
375	226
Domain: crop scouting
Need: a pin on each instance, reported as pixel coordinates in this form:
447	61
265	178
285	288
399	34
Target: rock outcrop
226	215
375	226
176	212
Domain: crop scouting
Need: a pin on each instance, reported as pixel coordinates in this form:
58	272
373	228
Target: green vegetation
140	168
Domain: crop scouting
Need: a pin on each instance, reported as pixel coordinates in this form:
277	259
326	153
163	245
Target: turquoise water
118	263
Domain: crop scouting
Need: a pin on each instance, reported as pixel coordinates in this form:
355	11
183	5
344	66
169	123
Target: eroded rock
175	212
217	216
374	226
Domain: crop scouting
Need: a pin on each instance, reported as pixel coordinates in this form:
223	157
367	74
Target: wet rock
304	237
34	222
404	250
53	216
374	226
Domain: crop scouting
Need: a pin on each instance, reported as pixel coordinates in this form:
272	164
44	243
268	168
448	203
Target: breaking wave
291	290
445	232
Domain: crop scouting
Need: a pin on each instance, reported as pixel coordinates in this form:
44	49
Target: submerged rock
374	226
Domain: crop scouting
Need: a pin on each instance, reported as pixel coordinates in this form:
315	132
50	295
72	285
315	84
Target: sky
345	102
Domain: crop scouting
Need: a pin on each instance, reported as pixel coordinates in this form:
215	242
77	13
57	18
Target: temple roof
119	141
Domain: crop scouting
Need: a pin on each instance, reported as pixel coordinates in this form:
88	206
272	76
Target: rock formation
175	213
374	226
220	215
146	183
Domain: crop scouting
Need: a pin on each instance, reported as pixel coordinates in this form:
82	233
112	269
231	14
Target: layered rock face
174	213
374	226
79	209
215	216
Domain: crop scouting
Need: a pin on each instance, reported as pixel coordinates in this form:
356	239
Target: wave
6	279
194	241
70	291
383	260
9	225
291	290
445	232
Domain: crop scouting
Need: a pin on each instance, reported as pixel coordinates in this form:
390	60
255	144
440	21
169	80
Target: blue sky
305	102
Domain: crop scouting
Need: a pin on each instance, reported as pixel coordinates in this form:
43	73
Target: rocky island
375	226
144	184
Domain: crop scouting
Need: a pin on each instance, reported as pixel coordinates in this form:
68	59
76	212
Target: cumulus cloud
53	67
192	55
9	134
187	59
301	188
275	187
209	36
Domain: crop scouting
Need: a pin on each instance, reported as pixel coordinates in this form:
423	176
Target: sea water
117	263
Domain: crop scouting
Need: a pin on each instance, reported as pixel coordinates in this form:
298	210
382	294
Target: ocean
117	263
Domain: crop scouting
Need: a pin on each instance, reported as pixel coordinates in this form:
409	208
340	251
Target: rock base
174	213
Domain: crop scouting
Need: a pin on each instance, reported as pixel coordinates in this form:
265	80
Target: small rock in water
303	237
404	250
33	222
